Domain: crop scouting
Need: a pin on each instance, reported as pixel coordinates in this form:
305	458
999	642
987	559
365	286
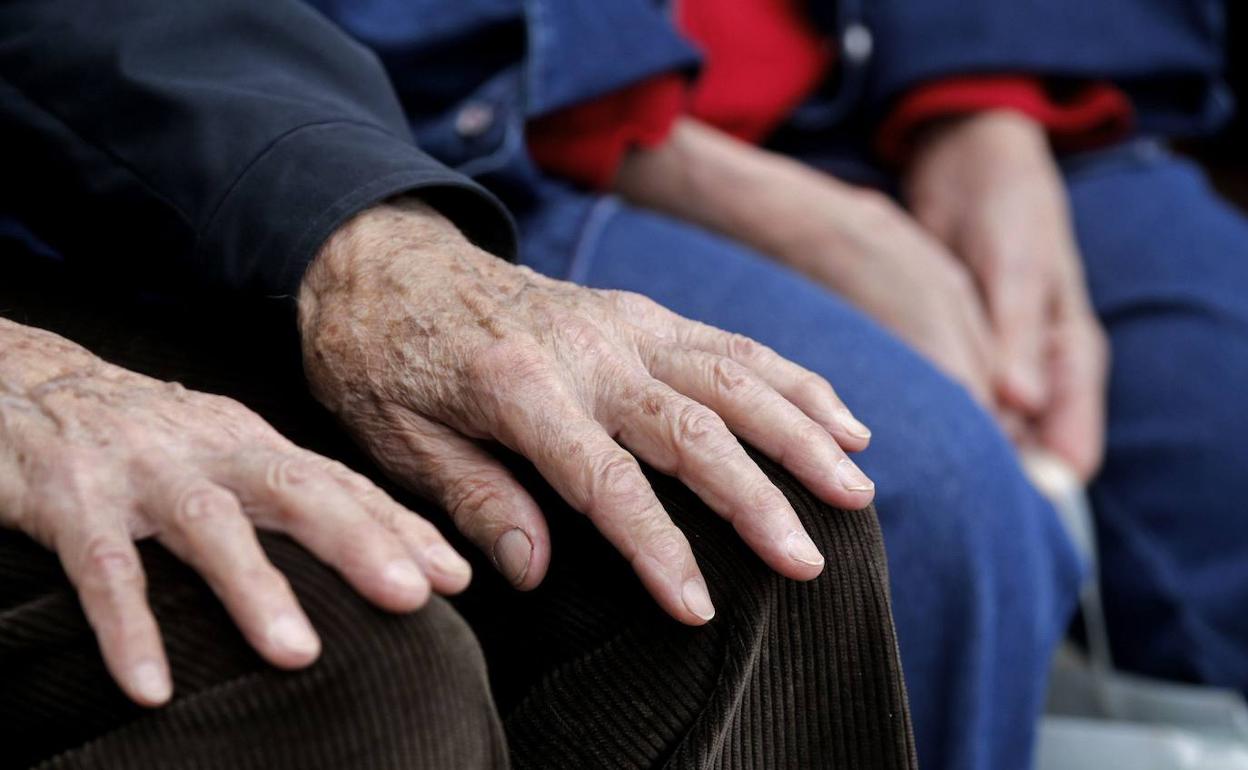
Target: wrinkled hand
93	457
987	186
427	348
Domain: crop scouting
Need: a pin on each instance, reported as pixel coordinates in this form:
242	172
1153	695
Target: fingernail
802	549
696	599
445	560
292	633
512	552
148	679
404	575
852	425
852	478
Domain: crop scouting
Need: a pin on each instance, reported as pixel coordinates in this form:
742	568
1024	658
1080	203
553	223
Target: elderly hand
93	457
987	187
428	348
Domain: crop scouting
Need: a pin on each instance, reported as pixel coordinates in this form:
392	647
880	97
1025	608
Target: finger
203	524
287	493
485	501
807	390
101	561
685	439
1073	424
597	477
977	340
757	413
1016	294
448	572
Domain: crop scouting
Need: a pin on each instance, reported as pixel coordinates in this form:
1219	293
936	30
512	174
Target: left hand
987	186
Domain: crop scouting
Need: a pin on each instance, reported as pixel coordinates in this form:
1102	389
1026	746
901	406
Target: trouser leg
389	692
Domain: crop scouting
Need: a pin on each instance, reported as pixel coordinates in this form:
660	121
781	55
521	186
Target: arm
223	139
423	343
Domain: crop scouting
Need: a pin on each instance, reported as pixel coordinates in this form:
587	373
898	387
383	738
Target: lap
387	691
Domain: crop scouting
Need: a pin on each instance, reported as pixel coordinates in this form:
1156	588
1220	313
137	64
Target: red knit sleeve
587	143
1092	115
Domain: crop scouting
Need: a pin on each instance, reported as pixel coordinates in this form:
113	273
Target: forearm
703	176
221	142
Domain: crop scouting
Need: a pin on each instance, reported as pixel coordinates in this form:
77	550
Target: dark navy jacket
217	142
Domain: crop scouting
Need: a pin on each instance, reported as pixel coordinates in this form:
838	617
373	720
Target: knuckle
743	348
201	501
262	577
808	436
730	377
286	474
630	303
664	543
764	497
811	387
616	477
695	425
109	566
510	361
469	496
584	338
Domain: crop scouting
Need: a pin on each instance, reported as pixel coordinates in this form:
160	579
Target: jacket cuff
1089	116
270	225
587	143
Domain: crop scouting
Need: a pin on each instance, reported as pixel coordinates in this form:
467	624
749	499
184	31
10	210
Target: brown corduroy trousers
584	672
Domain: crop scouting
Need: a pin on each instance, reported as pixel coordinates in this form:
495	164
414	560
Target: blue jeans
984	579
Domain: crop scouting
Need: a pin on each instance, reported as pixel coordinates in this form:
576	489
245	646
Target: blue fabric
522	58
1167	263
507	61
983	578
1166	50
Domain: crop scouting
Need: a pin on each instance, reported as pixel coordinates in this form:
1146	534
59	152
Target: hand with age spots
429	349
94	457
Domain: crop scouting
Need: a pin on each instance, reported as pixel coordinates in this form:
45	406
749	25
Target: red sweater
762	59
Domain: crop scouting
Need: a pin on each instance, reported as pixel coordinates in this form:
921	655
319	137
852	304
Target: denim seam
591	235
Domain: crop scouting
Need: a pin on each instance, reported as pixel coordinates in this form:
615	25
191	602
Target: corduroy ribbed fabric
586	671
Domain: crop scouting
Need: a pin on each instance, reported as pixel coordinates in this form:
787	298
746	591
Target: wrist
384	235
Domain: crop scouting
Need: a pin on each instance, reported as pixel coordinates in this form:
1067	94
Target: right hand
93	457
426	346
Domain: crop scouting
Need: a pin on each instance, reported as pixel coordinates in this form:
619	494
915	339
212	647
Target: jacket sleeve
1165	54
219	141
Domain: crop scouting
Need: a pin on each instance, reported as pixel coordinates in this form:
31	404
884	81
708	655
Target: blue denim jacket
471	72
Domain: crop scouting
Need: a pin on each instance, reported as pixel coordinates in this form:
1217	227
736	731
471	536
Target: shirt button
857	43
474	120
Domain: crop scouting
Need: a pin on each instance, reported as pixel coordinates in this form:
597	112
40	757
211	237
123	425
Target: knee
969	539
